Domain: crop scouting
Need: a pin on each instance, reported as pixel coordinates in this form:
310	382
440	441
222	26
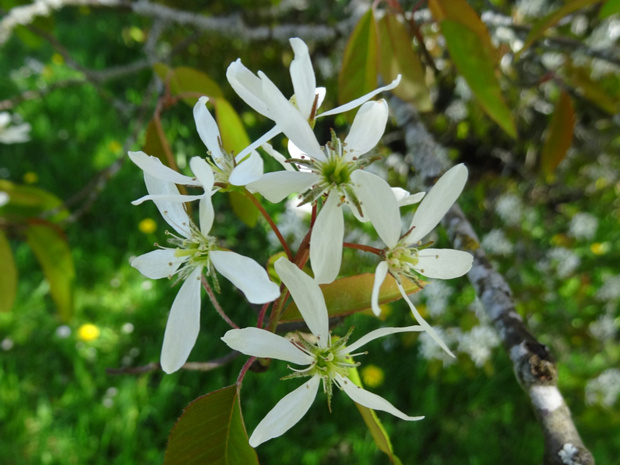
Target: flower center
196	247
402	259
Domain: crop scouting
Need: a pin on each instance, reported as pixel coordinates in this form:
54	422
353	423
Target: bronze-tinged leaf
559	135
590	89
188	82
211	431
352	294
155	143
397	56
233	133
30	202
244	209
8	275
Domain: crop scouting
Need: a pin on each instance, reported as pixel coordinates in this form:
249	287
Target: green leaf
8	275
52	251
397	56
243	208
153	143
211	431
475	62
551	20
359	73
184	80
30	202
559	135
352	294
611	7
378	432
233	133
591	90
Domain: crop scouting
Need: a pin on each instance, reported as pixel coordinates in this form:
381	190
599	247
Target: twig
189	366
533	365
216	304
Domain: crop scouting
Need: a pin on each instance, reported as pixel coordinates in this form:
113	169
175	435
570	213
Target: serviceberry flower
323	358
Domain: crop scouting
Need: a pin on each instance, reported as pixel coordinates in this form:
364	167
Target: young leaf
359	73
243	208
591	90
397	56
352	294
551	20
475	62
52	251
233	133
153	143
211	430
559	135
8	275
378	432
30	202
184	80
611	7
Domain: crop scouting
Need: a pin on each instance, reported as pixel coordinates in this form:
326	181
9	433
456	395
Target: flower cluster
328	177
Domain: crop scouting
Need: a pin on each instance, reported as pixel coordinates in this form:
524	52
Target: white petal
404	197
367	129
247	86
245	274
167	198
320	93
290	120
370	400
437	202
173	212
326	241
154	167
380	274
286	413
247	171
273	132
277	156
302	76
205	214
378	205
183	324
381	332
207	129
358	101
203	172
308	296
443	263
429	330
160	263
278	185
265	344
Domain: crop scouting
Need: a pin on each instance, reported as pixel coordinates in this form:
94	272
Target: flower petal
172	211
404	197
278	185
265	344
380	274
370	400
247	86
364	98
203	172
183	324
286	413
154	167
427	328
290	120
167	198
245	274
206	214
247	171
308	296
277	156
302	76
381	332
160	263
208	130
326	241
379	205
443	263
273	132
437	202
367	129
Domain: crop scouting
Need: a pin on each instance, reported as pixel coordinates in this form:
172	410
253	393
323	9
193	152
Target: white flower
583	226
13	134
193	251
335	171
321	359
255	90
406	257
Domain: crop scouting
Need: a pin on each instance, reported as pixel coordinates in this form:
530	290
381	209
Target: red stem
365	248
216	304
275	229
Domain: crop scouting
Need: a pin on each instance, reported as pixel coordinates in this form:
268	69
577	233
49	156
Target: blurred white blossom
510	209
496	243
15	133
429	349
583	226
604	328
479	343
564	260
604	389
437	295
610	290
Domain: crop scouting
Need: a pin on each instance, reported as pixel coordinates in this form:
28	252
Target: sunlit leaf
551	20
359	72
474	61
8	275
184	80
30	202
559	135
52	251
233	133
397	56
243	208
378	432
211	431
352	294
611	7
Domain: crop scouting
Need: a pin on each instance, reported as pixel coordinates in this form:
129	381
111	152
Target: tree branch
189	366
534	367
